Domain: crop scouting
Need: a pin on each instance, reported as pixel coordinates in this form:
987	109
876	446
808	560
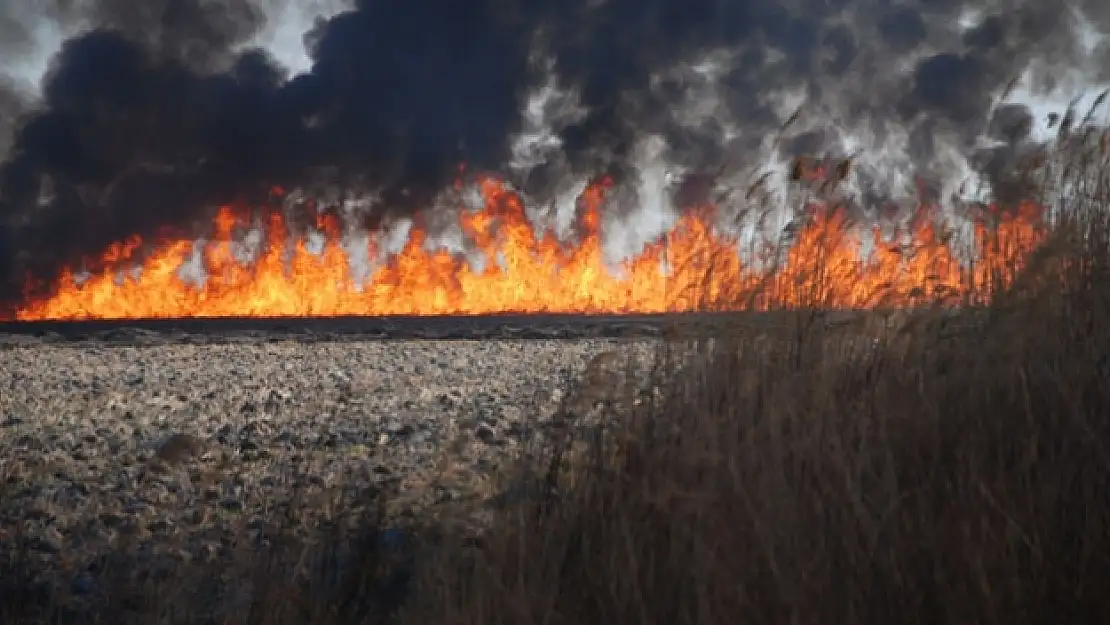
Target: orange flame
526	273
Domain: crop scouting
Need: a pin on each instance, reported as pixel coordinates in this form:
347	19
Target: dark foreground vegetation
931	473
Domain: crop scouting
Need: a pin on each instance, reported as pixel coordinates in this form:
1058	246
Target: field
183	451
934	467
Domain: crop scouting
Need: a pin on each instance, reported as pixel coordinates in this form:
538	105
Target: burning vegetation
692	267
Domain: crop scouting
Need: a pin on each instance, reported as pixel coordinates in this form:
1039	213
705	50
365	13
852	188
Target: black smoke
154	113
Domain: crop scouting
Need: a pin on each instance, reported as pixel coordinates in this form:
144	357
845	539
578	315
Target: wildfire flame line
526	273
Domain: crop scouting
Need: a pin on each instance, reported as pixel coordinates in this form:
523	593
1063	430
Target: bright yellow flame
529	274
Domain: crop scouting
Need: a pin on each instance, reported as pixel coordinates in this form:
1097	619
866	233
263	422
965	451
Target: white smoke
548	110
192	270
650	212
884	175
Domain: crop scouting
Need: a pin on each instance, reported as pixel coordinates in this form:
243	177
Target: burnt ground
505	327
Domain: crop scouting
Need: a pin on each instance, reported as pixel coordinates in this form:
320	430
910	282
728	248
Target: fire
693	267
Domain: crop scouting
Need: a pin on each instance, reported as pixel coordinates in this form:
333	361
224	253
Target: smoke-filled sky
120	117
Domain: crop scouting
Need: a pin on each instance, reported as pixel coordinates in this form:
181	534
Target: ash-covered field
180	441
181	449
315	329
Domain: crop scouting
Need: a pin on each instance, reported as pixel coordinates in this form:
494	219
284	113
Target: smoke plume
153	112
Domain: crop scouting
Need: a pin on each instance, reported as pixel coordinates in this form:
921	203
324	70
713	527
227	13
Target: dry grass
950	469
946	476
943	469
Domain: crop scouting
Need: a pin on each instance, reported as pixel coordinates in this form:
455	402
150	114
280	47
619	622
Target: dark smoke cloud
151	117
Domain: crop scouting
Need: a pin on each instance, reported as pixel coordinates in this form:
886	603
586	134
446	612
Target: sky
287	21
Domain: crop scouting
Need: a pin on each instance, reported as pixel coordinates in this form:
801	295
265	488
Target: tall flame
692	267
